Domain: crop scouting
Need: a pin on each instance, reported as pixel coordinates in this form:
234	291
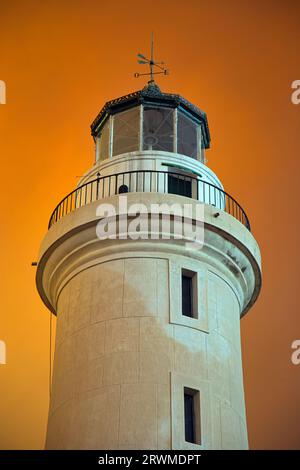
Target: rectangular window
158	129
187	136
103	142
126	135
189	293
179	185
192	423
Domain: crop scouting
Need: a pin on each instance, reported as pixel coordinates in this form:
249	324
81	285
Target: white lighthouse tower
148	352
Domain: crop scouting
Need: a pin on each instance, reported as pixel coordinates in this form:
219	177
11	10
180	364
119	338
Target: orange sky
61	60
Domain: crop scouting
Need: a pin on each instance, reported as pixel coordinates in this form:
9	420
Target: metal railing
149	181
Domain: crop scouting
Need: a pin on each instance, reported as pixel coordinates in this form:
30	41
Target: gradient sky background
61	61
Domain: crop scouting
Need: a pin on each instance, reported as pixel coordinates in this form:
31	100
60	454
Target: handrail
158	181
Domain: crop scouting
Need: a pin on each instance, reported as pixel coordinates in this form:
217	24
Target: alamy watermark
2	352
2	92
295	96
295	357
155	221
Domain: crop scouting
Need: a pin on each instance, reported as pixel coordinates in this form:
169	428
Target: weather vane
143	60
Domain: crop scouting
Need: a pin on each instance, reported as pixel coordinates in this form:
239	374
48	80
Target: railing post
97	187
116	185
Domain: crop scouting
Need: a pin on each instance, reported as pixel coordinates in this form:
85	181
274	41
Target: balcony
149	181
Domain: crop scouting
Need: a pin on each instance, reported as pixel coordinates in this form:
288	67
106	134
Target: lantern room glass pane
158	129
126	131
104	142
187	136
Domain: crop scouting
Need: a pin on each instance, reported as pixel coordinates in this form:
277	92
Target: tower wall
124	351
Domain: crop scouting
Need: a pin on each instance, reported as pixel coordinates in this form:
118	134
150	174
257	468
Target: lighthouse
148	348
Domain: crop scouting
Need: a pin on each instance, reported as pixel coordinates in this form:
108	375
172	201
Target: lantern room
150	120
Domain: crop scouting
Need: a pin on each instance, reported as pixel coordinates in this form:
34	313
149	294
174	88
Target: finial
143	60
